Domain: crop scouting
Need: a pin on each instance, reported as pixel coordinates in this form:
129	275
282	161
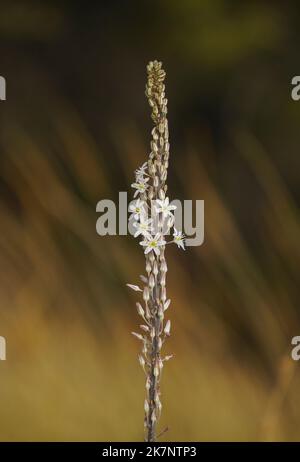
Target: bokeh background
74	127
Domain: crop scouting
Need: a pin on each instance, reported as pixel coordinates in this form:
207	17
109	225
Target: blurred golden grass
71	371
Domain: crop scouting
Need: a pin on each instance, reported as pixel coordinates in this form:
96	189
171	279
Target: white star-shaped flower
163	206
179	238
143	226
137	209
141	171
140	186
153	243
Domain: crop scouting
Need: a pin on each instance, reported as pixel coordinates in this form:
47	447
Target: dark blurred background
74	127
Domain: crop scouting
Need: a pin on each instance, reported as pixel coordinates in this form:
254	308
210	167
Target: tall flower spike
155	92
150	189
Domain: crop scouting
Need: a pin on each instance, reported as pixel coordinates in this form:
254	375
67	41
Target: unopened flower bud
151	281
164	175
143	278
150	194
146	294
161	194
147	384
163	266
148	266
163	279
167	304
141	361
144	328
151	169
160	312
140	310
154	146
148	314
154	134
167	328
159	406
134	287
139	336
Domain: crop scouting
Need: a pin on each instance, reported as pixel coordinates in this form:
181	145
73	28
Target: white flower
179	238
133	287
142	226
137	208
153	243
140	186
163	206
141	171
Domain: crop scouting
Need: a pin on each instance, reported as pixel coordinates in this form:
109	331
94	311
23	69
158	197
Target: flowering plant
153	218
